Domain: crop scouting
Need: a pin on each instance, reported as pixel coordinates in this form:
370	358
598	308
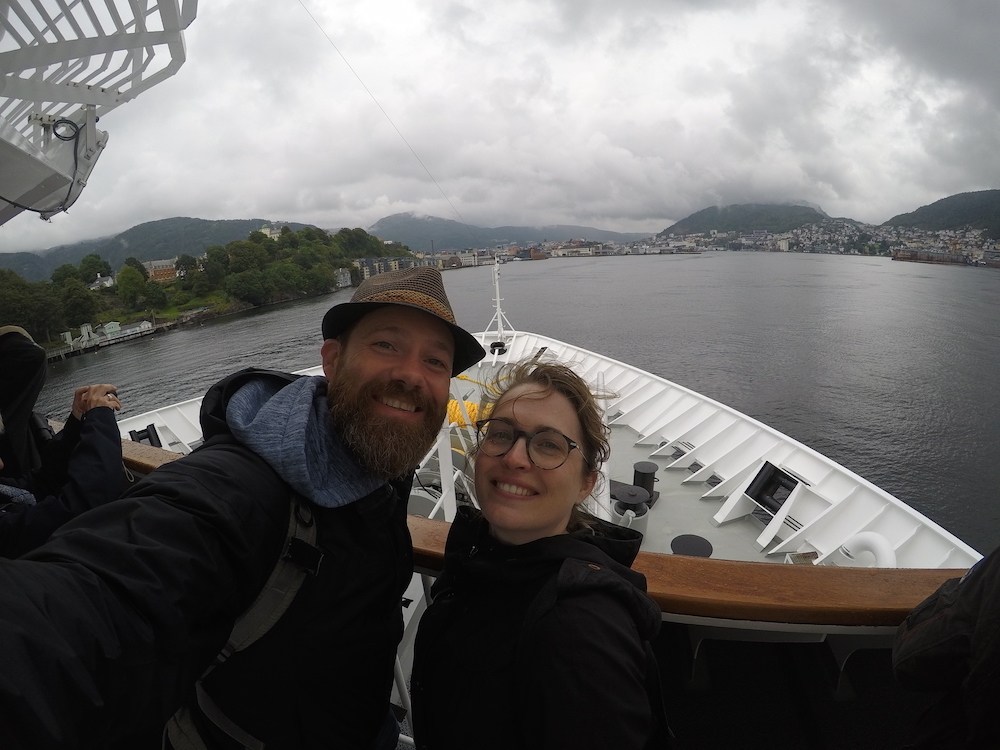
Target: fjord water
888	367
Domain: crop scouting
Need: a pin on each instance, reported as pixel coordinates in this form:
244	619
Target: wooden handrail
142	459
755	591
705	587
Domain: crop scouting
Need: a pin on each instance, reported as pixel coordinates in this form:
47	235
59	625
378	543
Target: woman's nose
517	456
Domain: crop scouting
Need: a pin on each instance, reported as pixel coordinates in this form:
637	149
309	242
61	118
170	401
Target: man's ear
330	352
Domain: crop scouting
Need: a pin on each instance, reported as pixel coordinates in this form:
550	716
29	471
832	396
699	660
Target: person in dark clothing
83	470
47	479
538	632
950	644
22	375
108	629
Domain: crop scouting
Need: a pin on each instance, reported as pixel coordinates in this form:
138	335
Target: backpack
301	558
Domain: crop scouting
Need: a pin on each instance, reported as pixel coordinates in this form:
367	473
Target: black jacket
105	629
87	473
950	643
505	658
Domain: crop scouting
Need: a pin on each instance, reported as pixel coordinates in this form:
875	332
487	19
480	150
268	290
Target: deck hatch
771	487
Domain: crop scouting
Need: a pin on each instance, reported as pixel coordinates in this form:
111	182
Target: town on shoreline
183	296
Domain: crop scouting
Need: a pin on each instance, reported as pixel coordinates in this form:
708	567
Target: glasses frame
528	437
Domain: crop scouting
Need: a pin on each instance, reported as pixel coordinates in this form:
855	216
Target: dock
96	342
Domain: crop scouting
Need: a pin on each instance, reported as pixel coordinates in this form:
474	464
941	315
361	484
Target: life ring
877	544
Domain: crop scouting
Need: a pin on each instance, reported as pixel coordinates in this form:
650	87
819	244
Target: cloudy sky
625	115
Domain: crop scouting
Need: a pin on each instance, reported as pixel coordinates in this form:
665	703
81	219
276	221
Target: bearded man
116	623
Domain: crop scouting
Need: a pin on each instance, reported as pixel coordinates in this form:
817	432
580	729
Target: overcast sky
618	114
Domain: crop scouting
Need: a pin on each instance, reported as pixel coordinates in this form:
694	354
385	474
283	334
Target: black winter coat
104	629
503	660
950	643
87	473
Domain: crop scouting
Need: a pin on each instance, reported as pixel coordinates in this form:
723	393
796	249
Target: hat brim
340	318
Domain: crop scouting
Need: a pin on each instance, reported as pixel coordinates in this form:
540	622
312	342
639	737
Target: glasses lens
495	437
548	449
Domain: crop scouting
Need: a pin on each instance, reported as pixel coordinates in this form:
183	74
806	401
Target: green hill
979	210
154	240
746	217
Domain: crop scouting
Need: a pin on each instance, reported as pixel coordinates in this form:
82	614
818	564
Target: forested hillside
245	273
746	218
153	240
426	233
979	210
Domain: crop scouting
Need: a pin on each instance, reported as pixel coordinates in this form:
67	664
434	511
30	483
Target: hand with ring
88	397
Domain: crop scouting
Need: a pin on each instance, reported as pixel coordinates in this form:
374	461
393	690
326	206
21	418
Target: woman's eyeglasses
547	449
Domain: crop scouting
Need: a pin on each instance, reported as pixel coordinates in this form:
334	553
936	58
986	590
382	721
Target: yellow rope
471	380
456	416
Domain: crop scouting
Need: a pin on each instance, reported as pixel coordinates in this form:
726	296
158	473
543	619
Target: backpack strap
300	558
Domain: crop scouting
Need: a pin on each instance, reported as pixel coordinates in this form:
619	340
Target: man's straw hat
420	288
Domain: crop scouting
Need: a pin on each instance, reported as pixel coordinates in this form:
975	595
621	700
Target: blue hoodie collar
290	428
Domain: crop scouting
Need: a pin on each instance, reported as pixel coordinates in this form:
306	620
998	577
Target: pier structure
109	334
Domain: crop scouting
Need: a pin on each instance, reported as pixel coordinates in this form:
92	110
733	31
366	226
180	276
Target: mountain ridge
773	217
426	233
979	209
166	238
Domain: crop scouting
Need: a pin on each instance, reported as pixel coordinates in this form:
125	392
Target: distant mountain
424	233
154	240
745	217
979	210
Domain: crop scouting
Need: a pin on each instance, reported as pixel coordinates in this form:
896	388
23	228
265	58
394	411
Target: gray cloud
567	111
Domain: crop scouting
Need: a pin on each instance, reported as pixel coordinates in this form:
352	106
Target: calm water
887	367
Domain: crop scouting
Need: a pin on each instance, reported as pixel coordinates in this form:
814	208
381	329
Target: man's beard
382	445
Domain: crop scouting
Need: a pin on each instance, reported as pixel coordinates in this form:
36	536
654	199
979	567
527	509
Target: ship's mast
499	326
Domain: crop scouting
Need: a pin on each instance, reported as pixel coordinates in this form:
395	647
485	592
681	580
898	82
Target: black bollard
645	476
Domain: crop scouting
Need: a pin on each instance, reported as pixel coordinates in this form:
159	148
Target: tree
213	272
306	257
46	316
218	254
357	243
15	300
185	263
288	238
79	304
320	279
64	273
286	279
92	266
248	286
154	296
312	234
137	265
245	256
130	286
201	285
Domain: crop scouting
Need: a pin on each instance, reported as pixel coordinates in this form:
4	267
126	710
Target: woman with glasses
538	634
